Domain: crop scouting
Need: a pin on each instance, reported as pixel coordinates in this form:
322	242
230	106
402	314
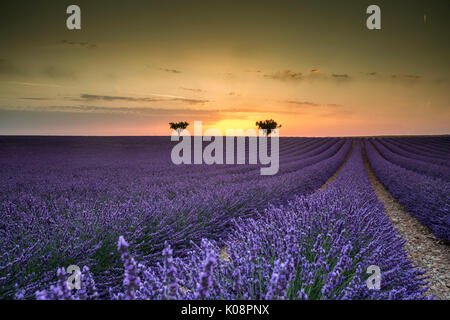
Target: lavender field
141	227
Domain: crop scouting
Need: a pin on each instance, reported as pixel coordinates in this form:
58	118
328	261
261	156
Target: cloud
234	94
285	75
412	77
33	98
192	89
33	84
92	97
303	103
191	101
141	111
92	109
400	78
340	76
311	75
144	111
115	98
170	70
312	104
86	45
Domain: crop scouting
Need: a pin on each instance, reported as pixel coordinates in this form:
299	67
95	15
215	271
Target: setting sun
232	124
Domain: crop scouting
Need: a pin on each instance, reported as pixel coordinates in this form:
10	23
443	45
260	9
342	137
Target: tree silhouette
178	126
268	126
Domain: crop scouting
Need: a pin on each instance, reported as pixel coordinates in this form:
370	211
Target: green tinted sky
136	65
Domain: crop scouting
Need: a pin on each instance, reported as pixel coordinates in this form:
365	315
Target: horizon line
131	136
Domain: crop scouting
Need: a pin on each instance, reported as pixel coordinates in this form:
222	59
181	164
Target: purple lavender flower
206	280
131	279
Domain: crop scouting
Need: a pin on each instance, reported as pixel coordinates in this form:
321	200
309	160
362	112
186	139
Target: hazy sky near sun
311	65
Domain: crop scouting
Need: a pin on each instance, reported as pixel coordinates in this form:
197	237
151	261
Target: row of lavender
427	198
419	152
65	201
433	167
431	147
315	247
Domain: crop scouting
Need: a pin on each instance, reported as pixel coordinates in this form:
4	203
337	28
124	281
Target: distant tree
178	126
268	125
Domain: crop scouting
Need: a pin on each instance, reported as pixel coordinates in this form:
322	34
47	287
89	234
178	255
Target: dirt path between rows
424	249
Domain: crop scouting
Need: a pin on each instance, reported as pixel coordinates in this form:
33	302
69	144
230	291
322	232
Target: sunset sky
311	65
